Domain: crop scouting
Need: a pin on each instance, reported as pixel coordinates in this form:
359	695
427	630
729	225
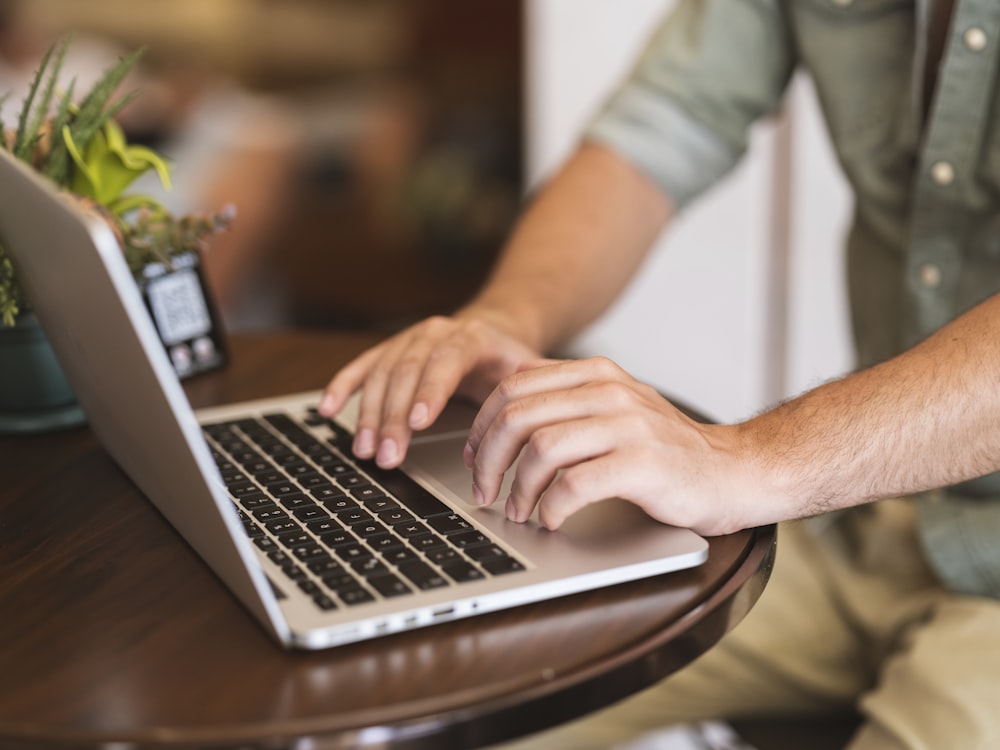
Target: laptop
323	549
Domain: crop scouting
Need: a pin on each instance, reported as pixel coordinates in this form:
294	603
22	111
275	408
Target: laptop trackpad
440	463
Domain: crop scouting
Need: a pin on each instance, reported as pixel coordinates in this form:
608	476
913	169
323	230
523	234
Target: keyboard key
341	580
309	551
266	514
265	543
366	492
310	513
294	540
442	555
384	542
462	571
234	476
254	501
356	595
412	529
449	524
365	530
422	575
396	516
283	526
324	602
312	480
400	555
501	565
426	542
399	485
389	586
326	492
324	526
295	500
351	479
239	489
326	567
380	504
340	538
370	567
350	553
354	516
467	539
339	504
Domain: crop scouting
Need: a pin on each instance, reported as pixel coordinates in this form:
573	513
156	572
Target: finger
550	450
545	378
516	424
346	381
579	486
367	439
437	355
443	373
534	364
400	393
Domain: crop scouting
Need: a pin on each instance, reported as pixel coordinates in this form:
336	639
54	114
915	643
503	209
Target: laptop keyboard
343	530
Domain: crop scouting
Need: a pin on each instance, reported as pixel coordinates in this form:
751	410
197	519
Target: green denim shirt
924	243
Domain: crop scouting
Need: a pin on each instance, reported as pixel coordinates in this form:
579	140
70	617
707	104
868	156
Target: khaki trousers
851	620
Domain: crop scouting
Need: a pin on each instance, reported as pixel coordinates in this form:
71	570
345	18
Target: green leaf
108	165
92	114
128	203
45	104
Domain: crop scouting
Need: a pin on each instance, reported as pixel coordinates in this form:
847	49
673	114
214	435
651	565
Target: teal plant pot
34	393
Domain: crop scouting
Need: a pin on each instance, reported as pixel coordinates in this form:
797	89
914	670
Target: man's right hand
406	381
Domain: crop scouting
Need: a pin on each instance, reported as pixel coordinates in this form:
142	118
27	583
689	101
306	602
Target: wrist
505	320
789	472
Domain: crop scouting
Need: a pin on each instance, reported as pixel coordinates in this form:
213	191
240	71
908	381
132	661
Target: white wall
730	312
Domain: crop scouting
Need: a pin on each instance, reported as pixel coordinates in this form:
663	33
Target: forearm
574	250
927	418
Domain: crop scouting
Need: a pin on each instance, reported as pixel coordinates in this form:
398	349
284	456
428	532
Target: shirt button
975	39
942	173
930	275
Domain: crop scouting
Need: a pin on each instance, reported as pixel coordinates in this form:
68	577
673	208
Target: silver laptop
323	549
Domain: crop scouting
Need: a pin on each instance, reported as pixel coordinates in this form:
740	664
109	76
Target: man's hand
406	381
586	431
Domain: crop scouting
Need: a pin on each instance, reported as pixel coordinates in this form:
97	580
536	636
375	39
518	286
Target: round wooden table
114	632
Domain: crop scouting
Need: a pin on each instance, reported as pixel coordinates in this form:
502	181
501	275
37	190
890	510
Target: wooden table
113	631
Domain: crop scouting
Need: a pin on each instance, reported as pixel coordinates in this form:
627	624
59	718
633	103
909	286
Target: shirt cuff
673	149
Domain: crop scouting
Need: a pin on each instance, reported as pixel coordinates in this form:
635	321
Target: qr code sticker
178	306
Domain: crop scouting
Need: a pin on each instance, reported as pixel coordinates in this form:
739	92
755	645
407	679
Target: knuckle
540	445
572	482
605	366
435	325
614	393
507	388
408	366
508	417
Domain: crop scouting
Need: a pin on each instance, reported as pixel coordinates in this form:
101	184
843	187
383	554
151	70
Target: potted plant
78	145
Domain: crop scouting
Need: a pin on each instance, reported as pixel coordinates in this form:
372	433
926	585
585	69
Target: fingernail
388	454
478	494
326	405
418	415
468	455
510	510
364	443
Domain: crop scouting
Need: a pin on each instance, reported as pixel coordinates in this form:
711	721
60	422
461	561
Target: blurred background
378	151
358	139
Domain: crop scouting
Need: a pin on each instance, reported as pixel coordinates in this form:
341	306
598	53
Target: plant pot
34	393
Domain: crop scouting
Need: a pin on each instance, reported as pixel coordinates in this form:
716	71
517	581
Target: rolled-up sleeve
708	73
